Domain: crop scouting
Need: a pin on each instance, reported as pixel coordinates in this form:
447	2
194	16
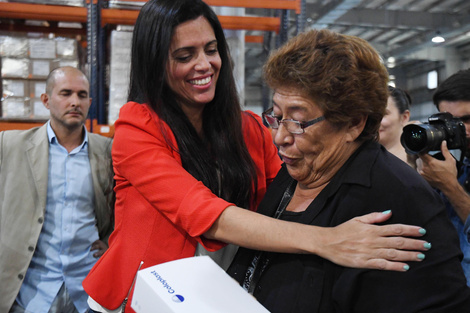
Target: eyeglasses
292	126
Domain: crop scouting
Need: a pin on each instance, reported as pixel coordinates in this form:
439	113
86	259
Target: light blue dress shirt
63	253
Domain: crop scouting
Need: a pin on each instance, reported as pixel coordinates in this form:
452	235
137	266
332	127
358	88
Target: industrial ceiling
401	30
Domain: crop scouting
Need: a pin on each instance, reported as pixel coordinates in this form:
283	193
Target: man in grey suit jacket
56	202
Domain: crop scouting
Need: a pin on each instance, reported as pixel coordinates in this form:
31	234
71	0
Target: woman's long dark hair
221	159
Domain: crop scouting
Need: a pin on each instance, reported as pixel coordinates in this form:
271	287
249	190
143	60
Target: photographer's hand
442	174
439	173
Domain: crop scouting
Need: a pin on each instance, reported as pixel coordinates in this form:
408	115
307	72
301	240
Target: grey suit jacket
23	191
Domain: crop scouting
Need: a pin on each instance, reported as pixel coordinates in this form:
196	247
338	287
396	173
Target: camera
421	138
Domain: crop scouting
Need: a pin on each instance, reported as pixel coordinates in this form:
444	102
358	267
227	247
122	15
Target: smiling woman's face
194	63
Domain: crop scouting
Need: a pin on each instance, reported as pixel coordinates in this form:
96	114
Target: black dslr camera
421	138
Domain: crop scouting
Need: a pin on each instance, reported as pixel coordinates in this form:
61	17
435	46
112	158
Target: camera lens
416	138
421	138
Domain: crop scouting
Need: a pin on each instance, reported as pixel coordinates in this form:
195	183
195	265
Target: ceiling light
438	38
390	62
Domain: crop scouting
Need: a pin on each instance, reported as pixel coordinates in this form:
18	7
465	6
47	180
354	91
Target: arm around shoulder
355	243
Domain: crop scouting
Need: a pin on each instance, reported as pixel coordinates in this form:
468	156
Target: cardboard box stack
26	62
120	61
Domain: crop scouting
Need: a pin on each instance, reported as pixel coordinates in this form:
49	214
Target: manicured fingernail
386	212
427	245
406	267
422	231
421	256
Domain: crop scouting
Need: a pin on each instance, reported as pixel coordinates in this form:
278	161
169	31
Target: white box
40	68
66	48
15	88
12	67
15	107
16	47
42	48
37	88
196	285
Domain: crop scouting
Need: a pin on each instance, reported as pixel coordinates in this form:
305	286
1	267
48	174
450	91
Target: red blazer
161	210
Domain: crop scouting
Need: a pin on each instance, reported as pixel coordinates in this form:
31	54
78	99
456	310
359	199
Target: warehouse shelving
96	16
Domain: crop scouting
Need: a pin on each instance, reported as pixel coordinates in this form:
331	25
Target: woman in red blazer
191	167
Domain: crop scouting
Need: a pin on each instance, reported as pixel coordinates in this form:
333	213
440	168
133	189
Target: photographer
452	179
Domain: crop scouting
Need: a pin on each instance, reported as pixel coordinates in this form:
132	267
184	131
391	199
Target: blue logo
163	282
177	298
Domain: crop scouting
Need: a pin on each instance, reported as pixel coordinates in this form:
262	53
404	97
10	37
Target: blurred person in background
391	127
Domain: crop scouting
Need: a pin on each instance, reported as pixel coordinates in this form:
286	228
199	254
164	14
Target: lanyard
261	259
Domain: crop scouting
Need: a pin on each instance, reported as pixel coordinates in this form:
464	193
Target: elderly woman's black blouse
372	180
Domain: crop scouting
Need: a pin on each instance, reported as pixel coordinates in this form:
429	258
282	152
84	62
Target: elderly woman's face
313	157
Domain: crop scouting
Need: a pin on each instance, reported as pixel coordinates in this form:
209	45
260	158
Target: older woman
330	94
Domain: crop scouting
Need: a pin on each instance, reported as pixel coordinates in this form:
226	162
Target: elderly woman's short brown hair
343	74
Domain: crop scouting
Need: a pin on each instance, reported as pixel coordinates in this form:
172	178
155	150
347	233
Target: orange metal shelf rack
58	13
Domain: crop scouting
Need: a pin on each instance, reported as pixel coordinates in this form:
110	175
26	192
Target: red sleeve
143	159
